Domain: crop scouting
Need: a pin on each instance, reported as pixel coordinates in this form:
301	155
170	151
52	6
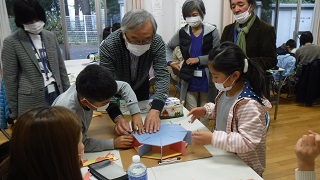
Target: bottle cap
136	158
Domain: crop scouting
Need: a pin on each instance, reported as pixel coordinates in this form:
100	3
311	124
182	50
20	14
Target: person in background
307	150
130	52
240	107
33	69
108	30
46	144
115	26
255	37
93	90
307	52
195	39
286	59
287	48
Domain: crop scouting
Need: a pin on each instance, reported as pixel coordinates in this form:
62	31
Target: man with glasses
93	90
130	52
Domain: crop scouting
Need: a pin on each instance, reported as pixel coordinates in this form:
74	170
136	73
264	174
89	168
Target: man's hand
197	113
136	124
192	61
152	121
122	126
202	137
123	142
307	149
175	65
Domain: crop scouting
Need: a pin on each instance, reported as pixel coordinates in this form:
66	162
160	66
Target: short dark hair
190	5
106	32
115	26
26	11
291	43
253	3
228	58
306	37
96	84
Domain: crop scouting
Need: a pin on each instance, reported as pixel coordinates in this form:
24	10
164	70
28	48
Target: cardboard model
171	140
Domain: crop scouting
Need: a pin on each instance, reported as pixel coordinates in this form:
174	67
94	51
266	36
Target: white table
222	165
74	67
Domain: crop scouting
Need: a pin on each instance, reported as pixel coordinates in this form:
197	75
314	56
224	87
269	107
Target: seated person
45	144
115	26
287	62
307	52
307	150
287	48
106	32
93	90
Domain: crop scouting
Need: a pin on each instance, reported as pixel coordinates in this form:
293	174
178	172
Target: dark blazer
21	72
260	40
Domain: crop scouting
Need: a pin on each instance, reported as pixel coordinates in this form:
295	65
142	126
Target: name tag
197	73
51	88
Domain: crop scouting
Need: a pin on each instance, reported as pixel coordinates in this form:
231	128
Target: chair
308	87
268	119
288	81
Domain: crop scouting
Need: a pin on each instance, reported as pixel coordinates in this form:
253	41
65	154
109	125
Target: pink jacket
246	131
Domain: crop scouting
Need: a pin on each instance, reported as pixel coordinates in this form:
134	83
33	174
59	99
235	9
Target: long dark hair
44	145
228	58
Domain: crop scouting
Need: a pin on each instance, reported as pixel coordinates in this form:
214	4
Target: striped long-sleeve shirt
246	131
116	58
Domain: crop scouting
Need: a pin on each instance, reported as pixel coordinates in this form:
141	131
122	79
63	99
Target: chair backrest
268	119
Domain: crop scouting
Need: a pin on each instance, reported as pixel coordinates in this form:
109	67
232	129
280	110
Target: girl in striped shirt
239	109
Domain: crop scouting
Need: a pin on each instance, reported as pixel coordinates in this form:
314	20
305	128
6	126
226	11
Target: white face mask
138	50
34	28
243	17
194	21
103	108
221	87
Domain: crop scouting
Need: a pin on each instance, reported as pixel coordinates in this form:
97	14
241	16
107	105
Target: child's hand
136	124
122	127
202	137
123	142
197	113
307	149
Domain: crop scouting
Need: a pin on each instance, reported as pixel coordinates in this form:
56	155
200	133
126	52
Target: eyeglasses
136	42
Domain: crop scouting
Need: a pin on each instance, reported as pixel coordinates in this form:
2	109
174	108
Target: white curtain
315	24
133	4
4	27
227	17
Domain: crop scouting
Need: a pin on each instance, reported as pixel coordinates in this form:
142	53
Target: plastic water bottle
137	170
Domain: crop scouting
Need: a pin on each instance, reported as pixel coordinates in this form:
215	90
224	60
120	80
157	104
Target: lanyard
43	56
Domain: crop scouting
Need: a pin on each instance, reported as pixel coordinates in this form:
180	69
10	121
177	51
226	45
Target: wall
168	19
287	21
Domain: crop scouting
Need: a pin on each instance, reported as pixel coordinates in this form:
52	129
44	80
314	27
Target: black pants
50	97
142	92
